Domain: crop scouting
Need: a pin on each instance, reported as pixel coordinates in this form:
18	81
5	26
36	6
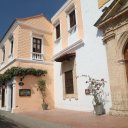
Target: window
3	50
69	77
72	19
58	31
36	45
69	82
37	49
11	41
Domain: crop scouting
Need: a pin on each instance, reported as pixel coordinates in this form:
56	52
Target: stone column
14	95
117	77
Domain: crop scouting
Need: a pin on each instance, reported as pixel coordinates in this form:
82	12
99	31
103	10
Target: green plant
19	71
42	87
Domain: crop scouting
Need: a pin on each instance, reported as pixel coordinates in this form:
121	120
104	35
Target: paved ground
59	118
18	120
7	123
77	119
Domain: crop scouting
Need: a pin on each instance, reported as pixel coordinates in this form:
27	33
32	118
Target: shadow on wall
99	33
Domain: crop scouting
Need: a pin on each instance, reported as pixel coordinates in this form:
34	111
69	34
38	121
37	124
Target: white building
79	50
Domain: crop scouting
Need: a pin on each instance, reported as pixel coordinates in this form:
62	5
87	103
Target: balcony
37	56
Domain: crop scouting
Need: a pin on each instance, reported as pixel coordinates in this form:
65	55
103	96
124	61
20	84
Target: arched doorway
126	59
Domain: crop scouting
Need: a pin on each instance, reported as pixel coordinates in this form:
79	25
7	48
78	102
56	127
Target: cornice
26	61
69	49
67	3
9	31
111	19
109	37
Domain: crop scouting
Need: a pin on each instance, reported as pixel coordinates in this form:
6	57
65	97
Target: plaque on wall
24	92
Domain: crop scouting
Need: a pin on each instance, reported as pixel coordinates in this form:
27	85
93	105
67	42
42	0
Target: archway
126	59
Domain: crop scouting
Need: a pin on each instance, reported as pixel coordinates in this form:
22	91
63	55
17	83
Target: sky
12	9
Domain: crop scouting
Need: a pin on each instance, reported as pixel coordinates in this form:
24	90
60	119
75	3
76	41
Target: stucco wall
26	35
90	60
22	53
62	17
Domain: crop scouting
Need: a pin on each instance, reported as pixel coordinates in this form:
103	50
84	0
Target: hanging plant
19	71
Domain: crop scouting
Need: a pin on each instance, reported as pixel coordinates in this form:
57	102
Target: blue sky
11	9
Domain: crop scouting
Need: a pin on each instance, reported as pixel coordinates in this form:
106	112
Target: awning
68	52
64	57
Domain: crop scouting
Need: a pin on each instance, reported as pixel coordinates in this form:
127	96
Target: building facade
114	24
69	47
78	51
27	43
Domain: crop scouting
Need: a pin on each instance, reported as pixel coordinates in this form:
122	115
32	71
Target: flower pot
45	106
99	109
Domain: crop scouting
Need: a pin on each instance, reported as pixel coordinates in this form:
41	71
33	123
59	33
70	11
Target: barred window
69	82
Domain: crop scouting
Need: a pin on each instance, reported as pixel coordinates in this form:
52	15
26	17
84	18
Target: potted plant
96	89
42	87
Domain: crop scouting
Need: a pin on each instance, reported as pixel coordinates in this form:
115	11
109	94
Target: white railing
37	56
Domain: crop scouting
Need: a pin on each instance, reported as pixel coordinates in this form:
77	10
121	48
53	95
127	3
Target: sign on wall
24	92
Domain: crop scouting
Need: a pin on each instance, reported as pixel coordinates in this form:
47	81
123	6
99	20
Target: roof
115	9
8	30
22	19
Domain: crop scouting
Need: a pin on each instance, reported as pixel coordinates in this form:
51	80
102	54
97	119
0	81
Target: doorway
126	59
3	97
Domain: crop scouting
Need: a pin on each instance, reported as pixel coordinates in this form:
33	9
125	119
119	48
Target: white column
14	95
7	98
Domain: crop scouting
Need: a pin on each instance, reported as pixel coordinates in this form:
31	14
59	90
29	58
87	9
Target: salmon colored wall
25	38
39	23
79	18
28	103
34	102
24	44
63	18
16	38
7	47
22	50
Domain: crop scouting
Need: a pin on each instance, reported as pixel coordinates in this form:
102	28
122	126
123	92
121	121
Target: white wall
90	60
